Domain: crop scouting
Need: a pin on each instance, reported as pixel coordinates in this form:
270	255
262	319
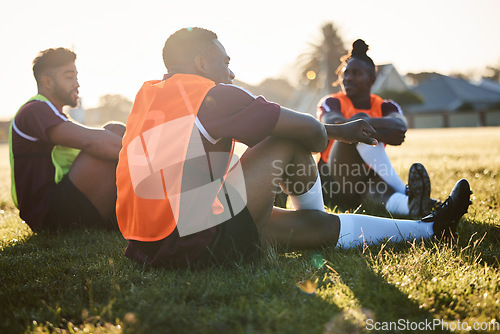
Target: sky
119	43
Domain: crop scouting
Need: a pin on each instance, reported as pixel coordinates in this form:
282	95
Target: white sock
377	159
357	229
311	200
397	204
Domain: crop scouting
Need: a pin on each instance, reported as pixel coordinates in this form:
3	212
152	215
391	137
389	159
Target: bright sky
119	43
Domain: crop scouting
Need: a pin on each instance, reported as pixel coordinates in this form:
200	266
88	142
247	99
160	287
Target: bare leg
96	178
275	161
282	160
300	229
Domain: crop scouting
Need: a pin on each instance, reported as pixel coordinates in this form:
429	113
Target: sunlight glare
311	75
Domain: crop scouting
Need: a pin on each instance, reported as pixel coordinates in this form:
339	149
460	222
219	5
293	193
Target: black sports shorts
233	240
70	208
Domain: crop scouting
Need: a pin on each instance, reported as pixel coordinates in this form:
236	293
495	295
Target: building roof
442	92
388	78
490	85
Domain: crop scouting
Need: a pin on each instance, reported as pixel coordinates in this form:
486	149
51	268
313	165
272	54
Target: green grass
80	281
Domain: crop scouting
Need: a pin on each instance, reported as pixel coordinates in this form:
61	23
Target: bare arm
313	135
333	117
303	128
340	128
389	129
100	143
352	132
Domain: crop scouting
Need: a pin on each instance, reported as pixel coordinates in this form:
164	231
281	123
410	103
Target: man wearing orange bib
185	198
358	173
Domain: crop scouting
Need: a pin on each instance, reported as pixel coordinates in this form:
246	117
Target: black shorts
332	190
70	208
337	191
233	240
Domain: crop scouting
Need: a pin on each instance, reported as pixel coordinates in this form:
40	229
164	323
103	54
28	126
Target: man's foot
419	191
448	214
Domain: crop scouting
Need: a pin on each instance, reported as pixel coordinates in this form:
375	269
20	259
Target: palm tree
319	65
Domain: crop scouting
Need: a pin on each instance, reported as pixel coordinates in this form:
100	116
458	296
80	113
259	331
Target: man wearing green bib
62	173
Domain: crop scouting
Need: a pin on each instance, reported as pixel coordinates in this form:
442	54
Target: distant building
490	85
442	92
389	79
452	102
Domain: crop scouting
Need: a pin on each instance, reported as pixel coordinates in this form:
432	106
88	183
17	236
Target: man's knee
292	149
115	127
279	152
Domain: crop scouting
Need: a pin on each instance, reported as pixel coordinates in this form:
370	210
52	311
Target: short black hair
186	44
50	59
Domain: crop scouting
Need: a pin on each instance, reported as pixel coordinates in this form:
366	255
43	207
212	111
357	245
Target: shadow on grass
55	276
80	278
386	308
482	237
418	269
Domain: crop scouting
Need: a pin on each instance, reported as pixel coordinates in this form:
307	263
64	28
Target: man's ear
47	82
199	63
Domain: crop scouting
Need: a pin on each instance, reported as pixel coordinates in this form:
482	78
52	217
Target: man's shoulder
36	107
35	116
390	107
227	99
329	103
32	110
232	90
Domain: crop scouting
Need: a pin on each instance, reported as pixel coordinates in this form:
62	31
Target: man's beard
65	97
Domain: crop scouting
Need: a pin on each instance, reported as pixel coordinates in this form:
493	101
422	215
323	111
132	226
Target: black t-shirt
34	171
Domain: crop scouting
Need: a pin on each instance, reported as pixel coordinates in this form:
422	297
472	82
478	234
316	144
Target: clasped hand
357	131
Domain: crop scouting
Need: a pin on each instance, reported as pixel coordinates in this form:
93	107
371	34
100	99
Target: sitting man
185	199
358	173
62	173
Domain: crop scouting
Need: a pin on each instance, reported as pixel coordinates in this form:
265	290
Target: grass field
79	282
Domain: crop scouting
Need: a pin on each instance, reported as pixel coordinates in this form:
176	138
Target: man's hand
391	136
391	129
352	132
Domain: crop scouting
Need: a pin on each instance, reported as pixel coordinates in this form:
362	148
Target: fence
446	119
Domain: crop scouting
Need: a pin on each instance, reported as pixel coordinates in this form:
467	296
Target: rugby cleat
433	204
418	191
447	215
